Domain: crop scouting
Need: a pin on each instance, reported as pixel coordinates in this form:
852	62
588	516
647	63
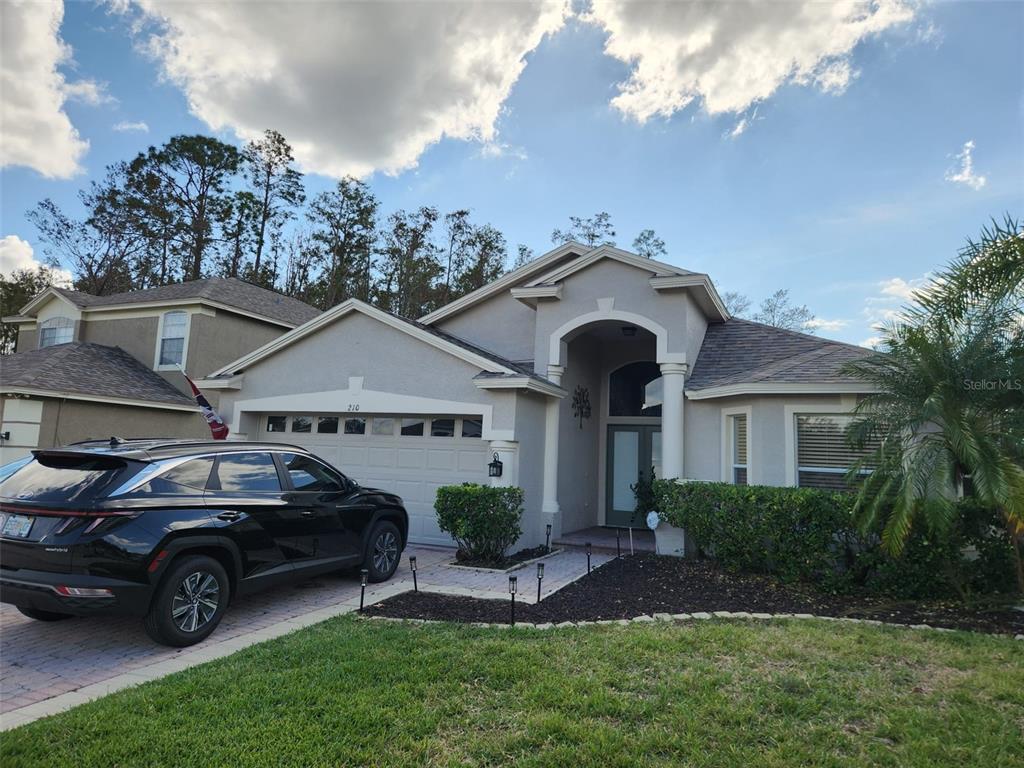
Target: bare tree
777	311
649	245
594	231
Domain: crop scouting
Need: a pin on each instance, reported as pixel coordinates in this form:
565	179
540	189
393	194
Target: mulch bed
648	584
519	557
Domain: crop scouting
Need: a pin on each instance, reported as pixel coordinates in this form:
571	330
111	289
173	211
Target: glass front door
632	453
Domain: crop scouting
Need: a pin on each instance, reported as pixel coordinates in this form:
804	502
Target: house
577	372
96	366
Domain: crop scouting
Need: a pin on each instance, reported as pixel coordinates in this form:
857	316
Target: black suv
171	530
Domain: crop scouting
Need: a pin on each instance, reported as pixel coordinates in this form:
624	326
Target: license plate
17	526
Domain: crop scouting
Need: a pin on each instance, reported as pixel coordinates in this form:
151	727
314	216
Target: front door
633	452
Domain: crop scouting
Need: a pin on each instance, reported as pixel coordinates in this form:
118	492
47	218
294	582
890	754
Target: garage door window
302	423
355	426
412	427
383	426
327	425
472	427
277	423
442	428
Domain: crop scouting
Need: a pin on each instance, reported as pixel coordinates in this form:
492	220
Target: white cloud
965	174
17	254
496	149
829	326
873	342
733	55
126	126
356	87
892	296
36	131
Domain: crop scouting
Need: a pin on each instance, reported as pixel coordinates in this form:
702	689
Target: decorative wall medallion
581	404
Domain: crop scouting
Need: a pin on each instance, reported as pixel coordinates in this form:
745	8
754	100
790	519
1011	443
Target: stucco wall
579	447
216	341
767	434
388	360
629	285
69	421
135	335
529	430
503	325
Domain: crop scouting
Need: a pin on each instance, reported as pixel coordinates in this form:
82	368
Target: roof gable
459	348
656	268
539	265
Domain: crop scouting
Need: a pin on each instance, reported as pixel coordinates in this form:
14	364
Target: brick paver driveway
50	666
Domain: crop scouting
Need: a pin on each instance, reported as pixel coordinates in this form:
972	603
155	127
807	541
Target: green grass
363	693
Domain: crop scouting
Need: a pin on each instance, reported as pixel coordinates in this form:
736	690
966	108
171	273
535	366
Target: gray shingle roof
226	290
742	351
87	369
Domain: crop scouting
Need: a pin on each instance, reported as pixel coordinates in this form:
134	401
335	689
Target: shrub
484	521
805	534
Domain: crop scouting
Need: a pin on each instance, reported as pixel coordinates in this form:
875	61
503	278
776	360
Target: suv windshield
66	479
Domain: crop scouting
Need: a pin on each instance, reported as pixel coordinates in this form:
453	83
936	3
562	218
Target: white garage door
409	455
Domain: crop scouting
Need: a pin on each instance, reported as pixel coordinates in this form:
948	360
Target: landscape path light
588	556
512	584
362	589
547	537
412	564
540	578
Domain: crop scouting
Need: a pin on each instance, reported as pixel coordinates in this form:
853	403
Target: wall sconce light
629	330
540	578
494	468
412	564
512	584
362	591
5	435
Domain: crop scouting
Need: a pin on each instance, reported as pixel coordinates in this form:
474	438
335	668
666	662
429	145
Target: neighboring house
97	366
577	372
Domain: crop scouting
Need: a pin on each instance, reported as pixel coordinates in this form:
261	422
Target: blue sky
844	196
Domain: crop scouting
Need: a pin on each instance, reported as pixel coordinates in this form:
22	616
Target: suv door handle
229	517
309	513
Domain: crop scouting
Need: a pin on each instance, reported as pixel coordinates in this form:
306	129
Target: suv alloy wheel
189	603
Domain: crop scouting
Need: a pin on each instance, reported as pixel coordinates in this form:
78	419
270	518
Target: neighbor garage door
409	455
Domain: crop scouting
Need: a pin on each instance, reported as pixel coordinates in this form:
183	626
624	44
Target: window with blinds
823	453
739	449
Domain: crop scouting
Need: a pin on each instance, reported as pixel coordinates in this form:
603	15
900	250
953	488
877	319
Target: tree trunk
264	215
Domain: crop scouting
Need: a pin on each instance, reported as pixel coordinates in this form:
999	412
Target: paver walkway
47	667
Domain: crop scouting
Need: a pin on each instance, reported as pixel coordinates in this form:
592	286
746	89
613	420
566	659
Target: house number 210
353	407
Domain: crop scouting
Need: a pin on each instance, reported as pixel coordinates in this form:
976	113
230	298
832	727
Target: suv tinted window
310	475
245	472
190	476
62	478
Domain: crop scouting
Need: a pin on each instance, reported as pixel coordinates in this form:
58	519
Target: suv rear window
245	472
64	479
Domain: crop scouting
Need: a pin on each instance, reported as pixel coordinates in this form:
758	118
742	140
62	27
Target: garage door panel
442	459
414	467
410	458
383	457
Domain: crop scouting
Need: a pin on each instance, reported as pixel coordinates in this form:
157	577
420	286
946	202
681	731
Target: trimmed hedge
805	534
483	520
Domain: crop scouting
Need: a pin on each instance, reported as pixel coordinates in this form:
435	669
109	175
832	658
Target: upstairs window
823	453
173	330
56	330
739	449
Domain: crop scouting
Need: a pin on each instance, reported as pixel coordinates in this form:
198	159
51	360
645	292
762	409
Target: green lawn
351	692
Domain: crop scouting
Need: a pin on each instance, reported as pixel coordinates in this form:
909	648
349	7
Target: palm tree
947	414
986	270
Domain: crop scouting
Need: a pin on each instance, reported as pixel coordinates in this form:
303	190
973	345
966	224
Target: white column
508	455
550	511
673	378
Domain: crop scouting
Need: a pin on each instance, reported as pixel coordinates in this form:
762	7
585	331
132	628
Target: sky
842	151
